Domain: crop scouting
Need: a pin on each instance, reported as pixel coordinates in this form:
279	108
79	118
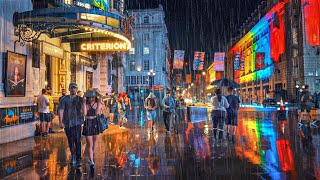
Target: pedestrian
51	109
150	104
112	106
71	119
63	94
318	100
127	102
44	113
168	111
220	104
93	108
232	113
121	109
306	104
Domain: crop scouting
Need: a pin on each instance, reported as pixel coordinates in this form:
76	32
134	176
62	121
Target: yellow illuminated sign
105	46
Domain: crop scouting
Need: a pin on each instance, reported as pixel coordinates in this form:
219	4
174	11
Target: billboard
178	59
219	61
198	62
259	60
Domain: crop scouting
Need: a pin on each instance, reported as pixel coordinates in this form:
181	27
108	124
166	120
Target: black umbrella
225	82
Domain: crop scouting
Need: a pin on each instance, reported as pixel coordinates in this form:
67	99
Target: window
131	51
146	36
146	50
146	65
127	79
145	80
146	20
132	66
133	80
139	78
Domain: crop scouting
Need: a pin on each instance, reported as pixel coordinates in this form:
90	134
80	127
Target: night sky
200	25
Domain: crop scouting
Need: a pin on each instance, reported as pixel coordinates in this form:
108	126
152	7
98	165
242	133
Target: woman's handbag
103	122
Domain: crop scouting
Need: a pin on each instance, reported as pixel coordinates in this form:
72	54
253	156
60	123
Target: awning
73	25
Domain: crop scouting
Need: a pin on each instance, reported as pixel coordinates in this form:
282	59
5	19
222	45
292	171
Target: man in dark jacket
71	119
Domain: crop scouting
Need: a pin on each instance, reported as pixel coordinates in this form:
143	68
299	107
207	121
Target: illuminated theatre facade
63	41
273	59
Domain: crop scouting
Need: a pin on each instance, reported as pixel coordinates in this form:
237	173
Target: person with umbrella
220	104
91	129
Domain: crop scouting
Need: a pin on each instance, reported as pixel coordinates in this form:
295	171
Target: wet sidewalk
265	148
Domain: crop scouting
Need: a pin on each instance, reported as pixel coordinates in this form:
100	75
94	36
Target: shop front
50	45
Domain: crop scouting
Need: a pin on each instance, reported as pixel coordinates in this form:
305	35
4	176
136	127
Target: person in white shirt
219	113
44	113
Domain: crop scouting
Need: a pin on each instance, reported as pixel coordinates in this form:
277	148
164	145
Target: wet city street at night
265	148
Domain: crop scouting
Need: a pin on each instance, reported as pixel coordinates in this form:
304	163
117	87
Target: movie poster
15	75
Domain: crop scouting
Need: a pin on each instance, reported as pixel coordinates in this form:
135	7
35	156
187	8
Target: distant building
149	53
277	52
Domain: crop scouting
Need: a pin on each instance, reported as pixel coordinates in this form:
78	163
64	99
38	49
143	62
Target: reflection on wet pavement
265	148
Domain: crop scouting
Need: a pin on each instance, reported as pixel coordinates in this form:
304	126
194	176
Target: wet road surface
265	148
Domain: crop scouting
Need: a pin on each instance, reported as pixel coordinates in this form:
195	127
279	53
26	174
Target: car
269	102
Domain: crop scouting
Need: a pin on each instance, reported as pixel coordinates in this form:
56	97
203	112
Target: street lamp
202	91
140	82
151	75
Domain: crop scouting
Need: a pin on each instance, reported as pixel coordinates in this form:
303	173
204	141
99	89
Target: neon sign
105	46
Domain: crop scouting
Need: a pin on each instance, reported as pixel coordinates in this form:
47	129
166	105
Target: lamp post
151	75
139	76
203	79
297	93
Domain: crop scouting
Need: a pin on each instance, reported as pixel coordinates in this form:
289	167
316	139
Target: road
265	148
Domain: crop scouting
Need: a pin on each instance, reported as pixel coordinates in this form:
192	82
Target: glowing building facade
272	59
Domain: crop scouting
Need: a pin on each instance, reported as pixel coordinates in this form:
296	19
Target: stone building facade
149	52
